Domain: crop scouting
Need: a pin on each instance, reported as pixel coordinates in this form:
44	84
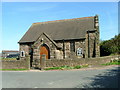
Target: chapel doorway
44	50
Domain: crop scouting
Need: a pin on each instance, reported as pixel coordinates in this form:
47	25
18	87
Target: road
86	78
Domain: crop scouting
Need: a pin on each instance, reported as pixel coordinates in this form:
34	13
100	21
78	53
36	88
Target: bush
109	47
77	67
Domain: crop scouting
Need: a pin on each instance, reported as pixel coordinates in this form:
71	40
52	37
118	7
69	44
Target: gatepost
43	61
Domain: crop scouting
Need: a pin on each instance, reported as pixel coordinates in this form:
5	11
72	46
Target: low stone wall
16	64
82	61
25	63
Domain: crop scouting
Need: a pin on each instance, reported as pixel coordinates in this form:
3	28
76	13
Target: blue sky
18	17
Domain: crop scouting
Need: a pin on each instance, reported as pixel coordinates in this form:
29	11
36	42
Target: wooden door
44	51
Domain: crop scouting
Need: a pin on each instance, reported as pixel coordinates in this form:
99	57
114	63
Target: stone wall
80	44
25	48
81	61
92	44
97	36
16	64
58	54
25	63
68	53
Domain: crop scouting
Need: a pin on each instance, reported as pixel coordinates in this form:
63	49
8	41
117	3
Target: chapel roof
60	29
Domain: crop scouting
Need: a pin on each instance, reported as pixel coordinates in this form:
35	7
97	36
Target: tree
111	46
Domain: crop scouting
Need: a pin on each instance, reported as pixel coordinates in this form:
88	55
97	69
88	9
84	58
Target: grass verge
13	69
114	62
66	67
8	59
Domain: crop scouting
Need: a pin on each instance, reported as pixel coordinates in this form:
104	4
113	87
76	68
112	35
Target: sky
17	17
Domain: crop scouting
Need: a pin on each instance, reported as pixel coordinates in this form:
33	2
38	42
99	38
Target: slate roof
60	29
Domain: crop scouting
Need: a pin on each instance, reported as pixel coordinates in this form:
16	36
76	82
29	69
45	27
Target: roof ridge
10	50
61	20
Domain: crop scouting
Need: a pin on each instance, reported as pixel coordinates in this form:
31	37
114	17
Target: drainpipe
63	49
88	45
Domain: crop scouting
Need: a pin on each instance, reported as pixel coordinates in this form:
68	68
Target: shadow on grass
109	79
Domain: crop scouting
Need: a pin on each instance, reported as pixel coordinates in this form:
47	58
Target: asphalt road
90	78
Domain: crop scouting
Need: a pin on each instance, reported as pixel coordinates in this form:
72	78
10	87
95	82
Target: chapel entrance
44	50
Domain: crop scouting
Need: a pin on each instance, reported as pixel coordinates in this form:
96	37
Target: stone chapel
62	39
